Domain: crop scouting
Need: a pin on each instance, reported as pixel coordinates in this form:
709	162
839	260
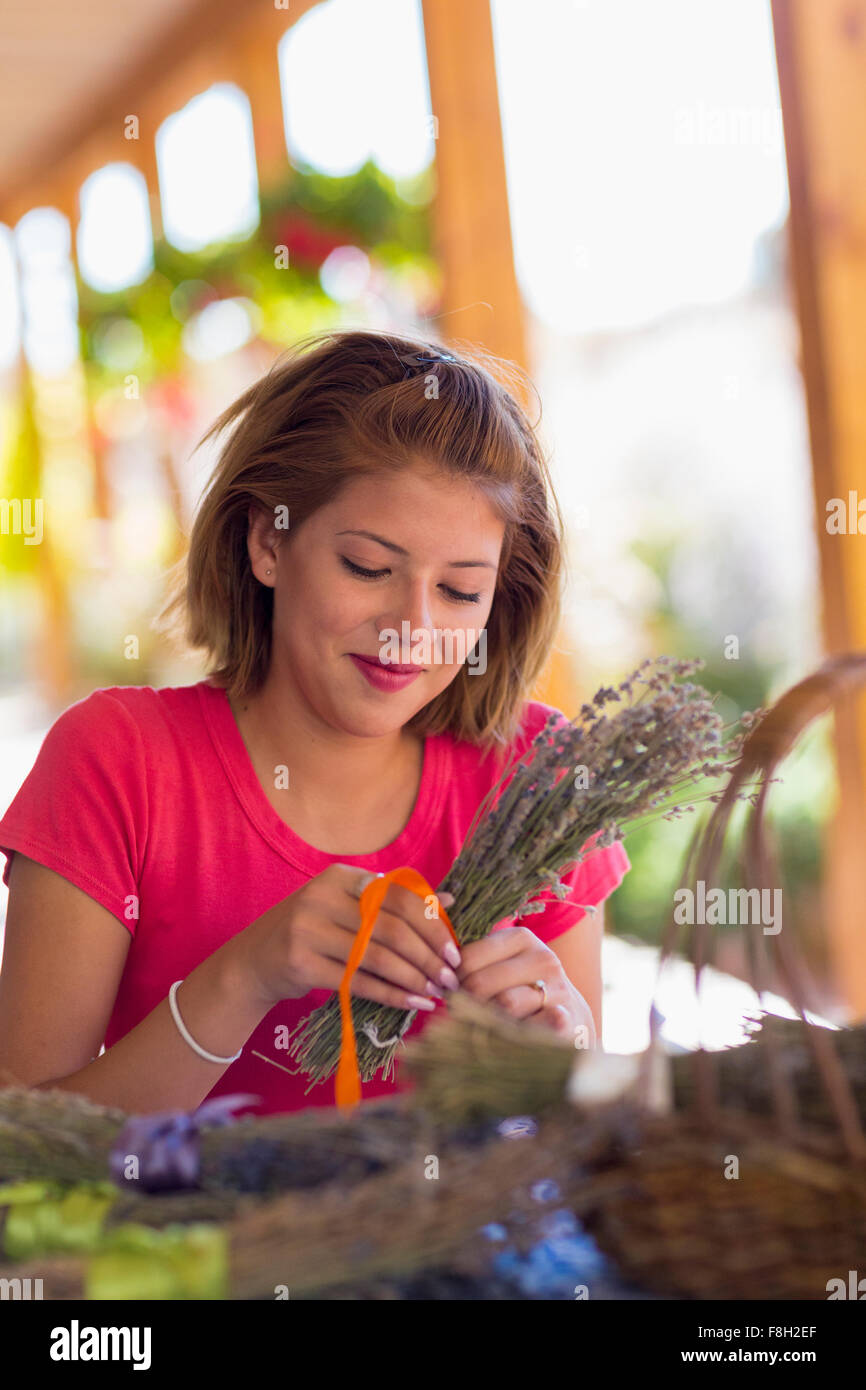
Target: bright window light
354	81
115	240
48	294
644	153
10	301
345	274
220	328
207	170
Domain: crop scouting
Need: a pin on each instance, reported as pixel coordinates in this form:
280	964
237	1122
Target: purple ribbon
167	1146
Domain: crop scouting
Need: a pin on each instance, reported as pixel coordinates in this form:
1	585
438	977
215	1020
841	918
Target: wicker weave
674	1223
795	1217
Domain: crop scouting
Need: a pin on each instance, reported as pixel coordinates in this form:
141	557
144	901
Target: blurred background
655	209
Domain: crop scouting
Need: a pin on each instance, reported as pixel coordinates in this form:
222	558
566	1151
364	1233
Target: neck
325	764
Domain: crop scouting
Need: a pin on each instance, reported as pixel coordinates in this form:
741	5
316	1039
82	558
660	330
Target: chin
371	727
376	723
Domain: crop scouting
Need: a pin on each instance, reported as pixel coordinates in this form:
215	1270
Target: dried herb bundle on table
593	778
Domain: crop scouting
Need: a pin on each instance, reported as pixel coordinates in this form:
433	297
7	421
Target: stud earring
267	571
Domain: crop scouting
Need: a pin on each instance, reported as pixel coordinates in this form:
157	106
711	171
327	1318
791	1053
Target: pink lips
385	677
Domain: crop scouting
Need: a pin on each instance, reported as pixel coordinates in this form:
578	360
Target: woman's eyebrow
398	549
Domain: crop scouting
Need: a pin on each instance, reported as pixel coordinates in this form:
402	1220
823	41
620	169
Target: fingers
393	934
497	946
335	942
367	986
523	1003
422	916
557	1017
394	953
407	926
492	966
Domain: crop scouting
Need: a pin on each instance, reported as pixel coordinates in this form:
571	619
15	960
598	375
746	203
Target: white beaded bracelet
182	1029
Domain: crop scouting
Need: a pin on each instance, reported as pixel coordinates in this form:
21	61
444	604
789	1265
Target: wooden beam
189	56
256	71
472	226
482	303
821	56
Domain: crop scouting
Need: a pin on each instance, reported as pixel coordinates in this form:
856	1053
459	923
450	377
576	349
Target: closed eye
456	594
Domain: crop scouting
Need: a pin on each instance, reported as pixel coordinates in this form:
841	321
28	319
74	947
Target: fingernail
448	978
452	954
447	899
415	1001
431	989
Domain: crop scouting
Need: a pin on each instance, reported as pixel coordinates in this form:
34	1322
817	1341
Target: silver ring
540	985
362	884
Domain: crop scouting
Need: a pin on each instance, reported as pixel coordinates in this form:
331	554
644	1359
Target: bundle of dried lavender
600	774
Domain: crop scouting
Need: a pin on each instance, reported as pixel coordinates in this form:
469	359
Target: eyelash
377	574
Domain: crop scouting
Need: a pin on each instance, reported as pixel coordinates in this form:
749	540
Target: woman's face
339	593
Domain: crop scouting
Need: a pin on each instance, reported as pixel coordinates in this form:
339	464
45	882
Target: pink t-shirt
147	800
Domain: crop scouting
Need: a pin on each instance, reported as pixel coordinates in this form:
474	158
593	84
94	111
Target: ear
262	544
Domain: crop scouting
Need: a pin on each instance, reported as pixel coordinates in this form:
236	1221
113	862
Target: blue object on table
565	1257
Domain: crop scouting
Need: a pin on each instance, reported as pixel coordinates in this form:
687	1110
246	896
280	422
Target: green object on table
178	1262
44	1218
130	1261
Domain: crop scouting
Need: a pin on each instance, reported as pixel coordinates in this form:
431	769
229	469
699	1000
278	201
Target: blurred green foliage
309	215
799	805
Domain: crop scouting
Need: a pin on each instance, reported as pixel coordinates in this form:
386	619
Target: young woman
219	834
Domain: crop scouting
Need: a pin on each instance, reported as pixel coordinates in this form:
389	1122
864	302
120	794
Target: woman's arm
63	959
65	956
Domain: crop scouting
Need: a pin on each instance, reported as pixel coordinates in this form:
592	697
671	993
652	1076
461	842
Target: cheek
322	610
346	606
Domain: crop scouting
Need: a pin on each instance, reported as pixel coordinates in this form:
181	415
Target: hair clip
424	359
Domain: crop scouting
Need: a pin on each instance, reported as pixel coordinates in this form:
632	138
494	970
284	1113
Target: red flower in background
307	242
174	401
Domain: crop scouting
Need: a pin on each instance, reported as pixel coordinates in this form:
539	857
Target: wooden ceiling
61	60
72	70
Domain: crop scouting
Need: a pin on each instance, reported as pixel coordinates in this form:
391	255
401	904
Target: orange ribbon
347	1088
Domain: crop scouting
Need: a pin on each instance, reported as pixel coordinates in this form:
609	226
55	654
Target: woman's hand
503	966
304	941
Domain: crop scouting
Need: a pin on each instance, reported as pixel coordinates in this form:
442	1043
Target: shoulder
533	719
534	716
120	719
468	760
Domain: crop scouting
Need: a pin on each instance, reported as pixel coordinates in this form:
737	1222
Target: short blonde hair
343	404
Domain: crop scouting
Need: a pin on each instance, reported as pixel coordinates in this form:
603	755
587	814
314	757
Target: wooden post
53	647
257	72
821	55
67	200
471	221
472	226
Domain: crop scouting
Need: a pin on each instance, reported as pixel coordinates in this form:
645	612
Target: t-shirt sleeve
589	883
82	809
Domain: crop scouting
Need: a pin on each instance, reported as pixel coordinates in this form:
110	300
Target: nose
416	612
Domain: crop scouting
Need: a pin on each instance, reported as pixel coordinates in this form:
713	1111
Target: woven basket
673	1223
795	1216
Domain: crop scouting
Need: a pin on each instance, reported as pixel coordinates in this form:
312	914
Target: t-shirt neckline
232	751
